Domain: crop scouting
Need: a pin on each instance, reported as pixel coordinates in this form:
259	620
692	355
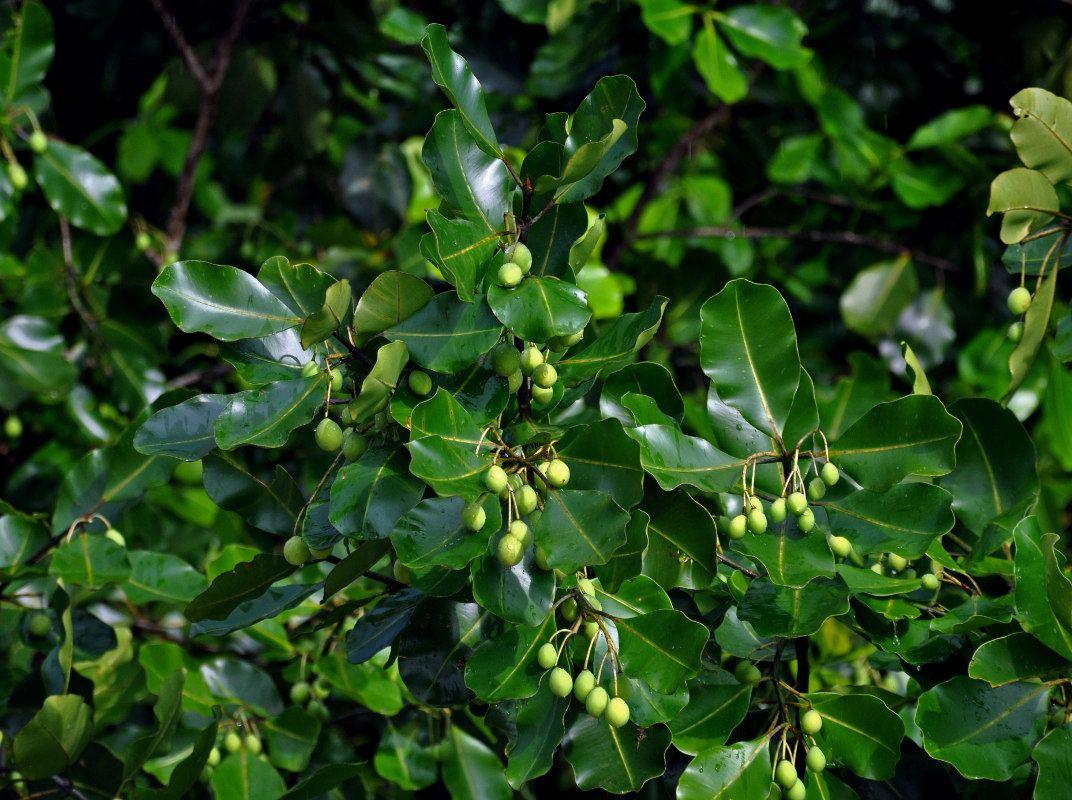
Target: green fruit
778	510
321	688
505	359
583	684
811	722
296	551
929	582
878	569
17	175
40	625
798	791
896	563
336	381
542	396
747	672
38	142
587	587
558	473
420	383
514	381
569	609
560	682
525	497
116	537
572	339
510	275
319	555
806	521
591	629
530	359
401	572
214	757
318	710
830	474
544	375
473	515
596	701
522	256
495	479
300	693
617	712
1016	331
328	435
840	546
522	532
796	503
513	485
253	744
785	774
509	551
816	760
232	742
143	241
738	527
1019	298
206	774
539	557
354	445
757	521
816	489
547	656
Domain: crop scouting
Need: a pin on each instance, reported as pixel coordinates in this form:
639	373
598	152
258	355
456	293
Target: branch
68	268
838	237
187	52
739	567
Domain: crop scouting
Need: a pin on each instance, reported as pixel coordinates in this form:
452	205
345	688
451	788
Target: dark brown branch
187	52
837	237
739	567
72	284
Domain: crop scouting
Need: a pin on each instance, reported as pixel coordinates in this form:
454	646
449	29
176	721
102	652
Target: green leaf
361	559
861	731
1026	198
913	435
552	236
291	738
679	552
610	758
273	602
1012	658
854	396
277	357
325	780
904	519
432	533
791	557
272	507
460	249
446	333
1031	257
616	345
540	308
673	459
91	561
434	647
162	577
32	48
160	659
247	581
1054	768
581	164
663	647
748	348
443	447
742	770
522	593
54	738
79	187
221	301
645	378
369	496
382	380
1036	325
379	627
718	66
504	667
402	761
951	126
20	538
367	683
535	737
922	186
715	708
771	33
877	296
32	355
189	769
391	298
473	184
984	732
321	324
774	610
182	431
580	527
1047	615
301	287
471	771
1042	133
244	776
266	416
601	457
167	710
452	74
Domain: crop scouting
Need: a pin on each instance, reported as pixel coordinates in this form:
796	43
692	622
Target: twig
72	287
739	567
187	52
190	378
68	788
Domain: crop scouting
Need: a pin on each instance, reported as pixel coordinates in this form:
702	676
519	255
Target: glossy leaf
432	533
248	580
903	520
184	430
1054	768
273	602
877	296
772	33
602	458
267	415
774	610
984	732
1036	325
662	647
273	507
471	771
1016	657
716	706
610	758
504	667
718	66
291	737
379	627
445	333
861	731
616	344
301	287
162	577
914	435
540	308
369	496
748	348
367	683
54	737
538	731
402	761
91	561
434	648
522	593
460	249
277	357
1044	614
580	527
1032	256
673	459
790	556
244	776
167	710
1027	200
951	126
32	49
721	773
221	301
651	380
78	186
323	322
391	298
670	20
680	534
1043	133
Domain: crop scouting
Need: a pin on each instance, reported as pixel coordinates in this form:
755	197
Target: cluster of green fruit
515	366
312	696
232	742
1019	301
598	702
515	489
297	552
755	520
785	773
517	265
16	173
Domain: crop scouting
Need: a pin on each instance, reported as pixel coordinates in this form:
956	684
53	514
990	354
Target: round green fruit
596	702
778	510
495	479
757	521
232	742
142	240
542	396
525	497
420	383
206	774
816	760
401	572
38	142
929	582
816	489
336	381
473	515
587	587
797	503
17	175
878	569
116	537
806	521
328	435
617	712
558	473
505	359
300	693
530	359
317	710
785	774
544	375
1019	299
569	609
811	722
591	629
354	445
214	757
321	688
738	527
896	563
310	369
830	474
319	555
583	684
522	532
253	744
747	672
514	381
840	546
522	256
509	551
798	791
1016	331
547	656
510	275
296	551
539	558
40	625
560	682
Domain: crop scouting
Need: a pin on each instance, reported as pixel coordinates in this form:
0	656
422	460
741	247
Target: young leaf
1043	133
